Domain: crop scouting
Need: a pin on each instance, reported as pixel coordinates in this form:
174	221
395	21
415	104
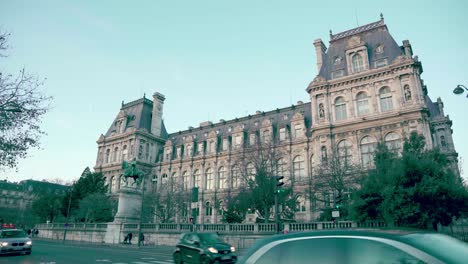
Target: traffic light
279	182
338	200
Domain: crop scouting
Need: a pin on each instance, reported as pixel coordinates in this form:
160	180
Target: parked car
358	246
14	241
203	248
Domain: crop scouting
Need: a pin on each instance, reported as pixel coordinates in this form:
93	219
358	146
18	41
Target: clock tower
156	119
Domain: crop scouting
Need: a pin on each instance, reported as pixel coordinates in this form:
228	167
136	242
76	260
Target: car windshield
441	245
210	238
12	234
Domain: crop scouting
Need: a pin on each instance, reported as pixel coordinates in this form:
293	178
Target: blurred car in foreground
14	241
358	246
203	248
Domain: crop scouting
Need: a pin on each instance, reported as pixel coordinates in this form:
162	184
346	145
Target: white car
14	241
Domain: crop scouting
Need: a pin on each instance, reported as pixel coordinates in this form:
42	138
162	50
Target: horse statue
130	171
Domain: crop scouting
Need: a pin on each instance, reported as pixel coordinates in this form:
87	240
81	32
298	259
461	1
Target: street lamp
460	89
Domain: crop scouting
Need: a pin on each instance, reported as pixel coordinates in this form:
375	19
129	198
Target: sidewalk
86	243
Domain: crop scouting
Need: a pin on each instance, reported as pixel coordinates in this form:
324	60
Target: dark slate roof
139	114
276	117
372	34
433	107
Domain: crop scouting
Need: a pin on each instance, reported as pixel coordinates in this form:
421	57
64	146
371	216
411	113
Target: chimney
320	50
156	120
407	48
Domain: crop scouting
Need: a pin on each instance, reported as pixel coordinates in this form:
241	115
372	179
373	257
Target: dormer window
357	63
337	60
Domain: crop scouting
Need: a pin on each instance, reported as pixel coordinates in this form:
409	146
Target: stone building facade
368	89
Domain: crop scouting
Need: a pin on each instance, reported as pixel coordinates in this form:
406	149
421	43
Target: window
362	104
116	151
282	134
298	167
107	155
225	144
252	139
297	131
340	109
337	74
189	151
185	180
168	154
124	152
208	209
282	169
209	179
164	179
357	62
140	151
222	178
392	140
147	151
386	99
443	143
112	184
211	146
237	141
235	177
344	151
367	151
380	63
301	204
266	136
196	178
251	172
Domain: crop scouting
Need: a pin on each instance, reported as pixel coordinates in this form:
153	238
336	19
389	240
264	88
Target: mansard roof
373	35
250	123
136	114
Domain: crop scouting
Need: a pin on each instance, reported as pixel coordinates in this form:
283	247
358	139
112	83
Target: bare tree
22	105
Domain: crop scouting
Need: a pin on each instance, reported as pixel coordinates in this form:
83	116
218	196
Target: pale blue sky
211	59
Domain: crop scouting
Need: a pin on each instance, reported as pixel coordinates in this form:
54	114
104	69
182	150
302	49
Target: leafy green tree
416	189
96	207
47	207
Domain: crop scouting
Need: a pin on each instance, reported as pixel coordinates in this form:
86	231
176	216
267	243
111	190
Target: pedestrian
142	239
130	235
36	232
285	231
125	239
29	232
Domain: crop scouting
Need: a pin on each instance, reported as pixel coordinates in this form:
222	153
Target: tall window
266	136
225	143
112	184
340	108
235	177
362	104
367	150
358	63
147	151
344	151
282	169
386	99
282	134
222	177
443	142
196	178
237	141
252	139
297	131
185	180
301	204
209	179
393	142
209	209
251	171
107	155
323	153
298	167
124	152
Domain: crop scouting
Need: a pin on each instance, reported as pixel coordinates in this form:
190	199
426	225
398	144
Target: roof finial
122	102
381	16
331	33
144	95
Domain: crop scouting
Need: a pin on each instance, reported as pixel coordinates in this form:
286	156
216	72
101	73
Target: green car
14	241
203	248
358	246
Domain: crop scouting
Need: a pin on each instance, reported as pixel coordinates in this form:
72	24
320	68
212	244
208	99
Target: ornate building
368	89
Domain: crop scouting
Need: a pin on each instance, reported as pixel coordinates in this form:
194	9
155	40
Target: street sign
335	213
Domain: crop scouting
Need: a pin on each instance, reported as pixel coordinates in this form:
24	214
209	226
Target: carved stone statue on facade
407	94
321	111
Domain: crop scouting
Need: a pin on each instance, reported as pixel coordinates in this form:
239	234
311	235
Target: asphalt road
55	252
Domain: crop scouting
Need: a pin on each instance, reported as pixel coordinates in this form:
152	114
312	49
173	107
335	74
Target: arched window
323	152
222	177
367	150
196	178
340	108
358	63
124	152
362	104
164	178
209	209
116	151
209	179
235	176
298	167
107	155
344	151
386	103
393	142
185	180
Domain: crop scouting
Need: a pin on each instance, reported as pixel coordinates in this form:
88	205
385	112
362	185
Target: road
55	252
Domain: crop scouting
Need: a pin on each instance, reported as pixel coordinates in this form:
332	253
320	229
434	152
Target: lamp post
460	89
68	214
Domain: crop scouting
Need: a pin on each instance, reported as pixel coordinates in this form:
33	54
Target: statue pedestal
129	211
